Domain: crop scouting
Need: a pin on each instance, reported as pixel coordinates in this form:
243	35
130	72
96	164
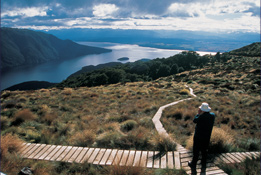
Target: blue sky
193	15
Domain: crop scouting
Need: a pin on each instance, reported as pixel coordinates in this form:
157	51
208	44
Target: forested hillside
142	71
26	47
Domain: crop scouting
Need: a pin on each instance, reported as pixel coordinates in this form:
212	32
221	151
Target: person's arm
196	118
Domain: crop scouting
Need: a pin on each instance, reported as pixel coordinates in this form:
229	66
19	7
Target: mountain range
26	47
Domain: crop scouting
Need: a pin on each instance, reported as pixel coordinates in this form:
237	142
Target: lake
57	71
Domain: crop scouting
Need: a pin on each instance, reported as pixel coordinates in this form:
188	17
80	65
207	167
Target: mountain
164	39
252	50
27	47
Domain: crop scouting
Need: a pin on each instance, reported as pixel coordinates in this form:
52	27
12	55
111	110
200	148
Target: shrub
110	139
10	144
220	141
184	92
163	144
23	115
83	138
67	91
251	144
128	125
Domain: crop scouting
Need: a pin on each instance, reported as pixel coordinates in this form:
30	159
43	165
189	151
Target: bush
184	92
23	115
110	139
83	138
220	141
128	125
163	144
10	144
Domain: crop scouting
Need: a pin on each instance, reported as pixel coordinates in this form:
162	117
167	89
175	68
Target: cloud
26	12
197	15
104	10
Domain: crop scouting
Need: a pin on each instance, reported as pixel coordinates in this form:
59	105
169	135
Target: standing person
204	124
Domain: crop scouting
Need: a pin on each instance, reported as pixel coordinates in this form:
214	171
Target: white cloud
26	12
104	10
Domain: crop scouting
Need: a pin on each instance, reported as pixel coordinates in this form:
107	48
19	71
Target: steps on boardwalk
100	156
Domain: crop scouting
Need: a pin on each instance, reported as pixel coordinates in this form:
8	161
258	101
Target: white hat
204	107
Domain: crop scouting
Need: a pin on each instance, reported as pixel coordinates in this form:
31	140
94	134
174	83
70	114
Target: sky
192	15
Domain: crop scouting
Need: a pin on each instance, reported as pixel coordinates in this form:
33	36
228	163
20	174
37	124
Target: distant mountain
31	85
27	47
252	50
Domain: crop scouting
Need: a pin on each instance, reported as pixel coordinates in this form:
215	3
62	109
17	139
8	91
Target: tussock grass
23	115
220	141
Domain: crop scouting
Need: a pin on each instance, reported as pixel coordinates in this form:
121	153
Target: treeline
143	71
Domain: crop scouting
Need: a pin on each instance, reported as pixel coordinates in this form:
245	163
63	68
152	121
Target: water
57	71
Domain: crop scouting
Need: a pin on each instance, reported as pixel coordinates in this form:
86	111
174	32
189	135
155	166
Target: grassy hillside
27	47
119	115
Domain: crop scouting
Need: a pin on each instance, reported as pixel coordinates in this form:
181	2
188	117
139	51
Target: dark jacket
204	125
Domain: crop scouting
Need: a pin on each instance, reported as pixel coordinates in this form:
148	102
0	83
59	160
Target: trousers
200	145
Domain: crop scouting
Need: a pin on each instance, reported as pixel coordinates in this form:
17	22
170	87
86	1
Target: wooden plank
25	145
31	151
94	154
117	158
247	155
124	158
42	152
229	158
87	155
186	155
234	157
131	158
105	157
112	157
177	160
99	156
64	153
150	159
241	155
144	158
48	152
29	147
75	154
36	151
69	154
163	161
224	159
156	160
253	154
238	156
58	153
137	158
80	157
170	160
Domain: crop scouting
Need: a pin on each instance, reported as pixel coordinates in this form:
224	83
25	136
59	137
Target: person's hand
200	111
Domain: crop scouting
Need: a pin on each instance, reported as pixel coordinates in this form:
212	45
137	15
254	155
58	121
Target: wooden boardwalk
148	159
100	156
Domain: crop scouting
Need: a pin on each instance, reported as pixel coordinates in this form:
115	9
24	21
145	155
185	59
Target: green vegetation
140	70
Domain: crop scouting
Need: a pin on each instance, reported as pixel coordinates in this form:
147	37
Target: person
204	124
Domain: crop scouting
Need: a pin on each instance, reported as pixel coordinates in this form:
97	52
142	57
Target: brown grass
221	141
83	138
10	144
23	115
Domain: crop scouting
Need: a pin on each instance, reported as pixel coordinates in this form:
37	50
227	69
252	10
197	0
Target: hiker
204	123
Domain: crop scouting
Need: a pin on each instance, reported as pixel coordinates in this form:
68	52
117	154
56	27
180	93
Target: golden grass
83	138
220	141
23	115
10	144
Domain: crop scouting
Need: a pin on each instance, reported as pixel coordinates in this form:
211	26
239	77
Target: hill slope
26	47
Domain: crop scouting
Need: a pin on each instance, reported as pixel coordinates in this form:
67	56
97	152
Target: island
123	59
